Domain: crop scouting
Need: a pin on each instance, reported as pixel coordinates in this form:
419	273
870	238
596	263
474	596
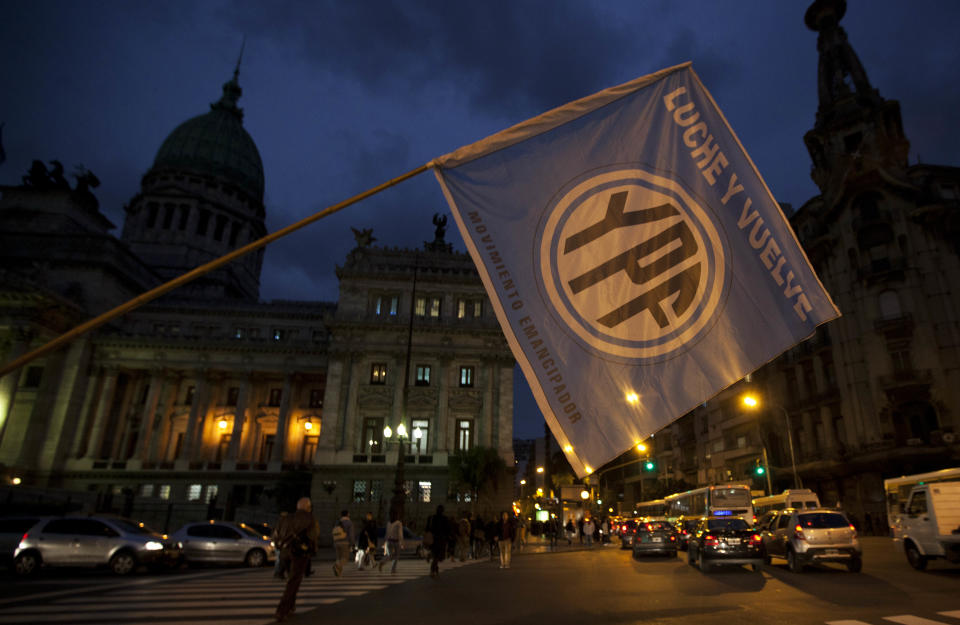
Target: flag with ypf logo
636	260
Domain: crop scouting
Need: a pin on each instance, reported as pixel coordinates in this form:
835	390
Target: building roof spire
232	90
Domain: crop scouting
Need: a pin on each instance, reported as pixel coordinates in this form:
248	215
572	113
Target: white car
224	542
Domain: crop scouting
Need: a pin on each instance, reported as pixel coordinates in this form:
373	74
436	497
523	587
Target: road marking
908	619
209	601
100	617
847	623
952	613
105	587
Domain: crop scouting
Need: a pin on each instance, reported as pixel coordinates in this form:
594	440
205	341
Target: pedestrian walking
521	526
506	534
366	542
571	530
552	529
282	564
580	523
393	543
463	537
478	536
437	535
588	532
298	542
343	539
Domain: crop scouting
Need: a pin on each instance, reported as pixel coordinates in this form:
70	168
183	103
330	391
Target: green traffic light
760	470
649	465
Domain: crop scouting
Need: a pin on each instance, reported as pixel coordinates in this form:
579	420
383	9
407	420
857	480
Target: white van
929	524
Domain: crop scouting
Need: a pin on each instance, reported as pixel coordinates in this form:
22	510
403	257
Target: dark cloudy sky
340	96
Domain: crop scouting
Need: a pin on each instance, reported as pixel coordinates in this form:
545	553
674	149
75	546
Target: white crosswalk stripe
904	619
247	598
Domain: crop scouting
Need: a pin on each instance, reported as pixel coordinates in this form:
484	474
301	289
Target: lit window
420	307
425	488
373	435
164	491
478	308
211	494
464	430
466	376
461	308
193	492
394	305
419	444
359	491
423	375
435	308
146	490
378	373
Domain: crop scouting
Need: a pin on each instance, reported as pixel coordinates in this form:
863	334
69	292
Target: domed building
202	198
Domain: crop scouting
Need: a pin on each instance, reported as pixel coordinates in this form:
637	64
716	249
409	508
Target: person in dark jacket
366	542
438	526
506	534
298	543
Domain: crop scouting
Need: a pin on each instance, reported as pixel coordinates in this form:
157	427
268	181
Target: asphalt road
602	585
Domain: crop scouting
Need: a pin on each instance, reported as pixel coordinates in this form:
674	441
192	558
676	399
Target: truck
929	524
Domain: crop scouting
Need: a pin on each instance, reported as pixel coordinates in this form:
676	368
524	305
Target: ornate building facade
875	393
209	401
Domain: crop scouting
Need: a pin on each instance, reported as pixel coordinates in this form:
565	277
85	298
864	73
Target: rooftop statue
364	237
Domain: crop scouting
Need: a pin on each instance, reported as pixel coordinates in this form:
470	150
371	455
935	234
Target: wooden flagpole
165	288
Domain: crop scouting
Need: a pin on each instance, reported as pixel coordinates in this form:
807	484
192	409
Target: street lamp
399	494
752	402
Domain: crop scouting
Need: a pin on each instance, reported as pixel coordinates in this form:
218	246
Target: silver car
803	537
121	544
225	542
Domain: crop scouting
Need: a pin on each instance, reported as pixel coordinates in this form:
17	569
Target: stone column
280	438
10	382
124	421
103	413
43	407
160	441
86	413
443	442
198	411
147	417
239	424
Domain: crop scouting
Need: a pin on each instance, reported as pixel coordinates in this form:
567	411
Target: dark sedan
655	537
685	529
725	541
627	532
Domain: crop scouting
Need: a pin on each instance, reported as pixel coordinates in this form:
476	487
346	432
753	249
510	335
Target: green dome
217	144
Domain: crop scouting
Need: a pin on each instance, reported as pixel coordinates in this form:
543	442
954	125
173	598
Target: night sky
340	96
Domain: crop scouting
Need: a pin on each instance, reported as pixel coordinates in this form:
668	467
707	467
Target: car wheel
27	564
123	563
793	563
702	563
915	558
854	565
256	558
756	568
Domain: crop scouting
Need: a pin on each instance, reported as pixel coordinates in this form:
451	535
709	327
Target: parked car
628	531
12	530
724	541
929	526
224	542
655	537
685	528
121	544
803	537
412	544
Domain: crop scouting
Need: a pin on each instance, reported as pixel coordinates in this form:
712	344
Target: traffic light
759	470
649	465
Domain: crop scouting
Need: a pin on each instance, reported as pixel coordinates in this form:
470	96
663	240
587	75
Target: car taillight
649	527
673	537
24	537
710	541
634	530
755	538
798	532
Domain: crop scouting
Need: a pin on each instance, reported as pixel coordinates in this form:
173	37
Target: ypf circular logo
632	264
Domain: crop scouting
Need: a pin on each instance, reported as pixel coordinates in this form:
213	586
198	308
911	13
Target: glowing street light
753	402
222	424
584	494
539	469
522	482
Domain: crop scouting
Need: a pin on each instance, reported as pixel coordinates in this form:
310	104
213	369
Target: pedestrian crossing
244	598
907	619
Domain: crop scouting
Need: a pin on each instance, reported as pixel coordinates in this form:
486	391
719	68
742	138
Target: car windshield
132	527
656	525
727	524
823	520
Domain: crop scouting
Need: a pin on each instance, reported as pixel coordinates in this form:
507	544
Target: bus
716	500
795	498
653	508
897	489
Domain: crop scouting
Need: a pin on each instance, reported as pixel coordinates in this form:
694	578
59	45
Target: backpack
338	532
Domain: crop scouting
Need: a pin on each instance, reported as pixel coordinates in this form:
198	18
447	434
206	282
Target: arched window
890	305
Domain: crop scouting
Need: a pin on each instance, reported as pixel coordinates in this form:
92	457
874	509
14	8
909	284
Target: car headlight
152	545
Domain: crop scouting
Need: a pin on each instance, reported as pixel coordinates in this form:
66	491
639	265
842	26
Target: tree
476	470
